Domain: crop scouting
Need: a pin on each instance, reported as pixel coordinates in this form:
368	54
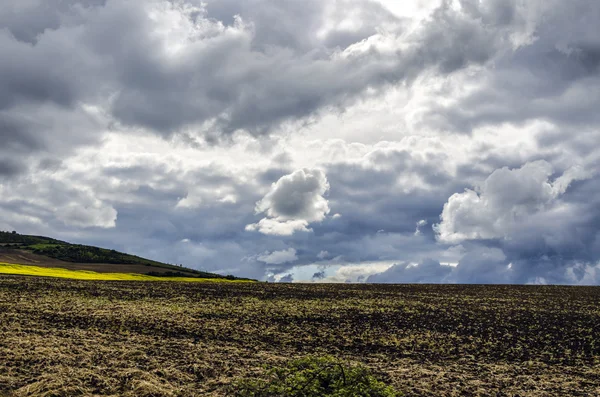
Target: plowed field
65	338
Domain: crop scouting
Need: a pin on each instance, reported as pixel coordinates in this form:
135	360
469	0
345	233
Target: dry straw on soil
65	337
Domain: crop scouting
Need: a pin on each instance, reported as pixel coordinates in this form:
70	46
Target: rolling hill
48	252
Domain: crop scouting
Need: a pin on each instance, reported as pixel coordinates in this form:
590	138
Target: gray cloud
537	221
428	271
51	201
216	68
320	275
507	200
288	278
9	167
500	98
485	265
278	257
551	72
294	201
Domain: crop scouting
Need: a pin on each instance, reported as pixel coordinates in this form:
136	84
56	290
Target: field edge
56	272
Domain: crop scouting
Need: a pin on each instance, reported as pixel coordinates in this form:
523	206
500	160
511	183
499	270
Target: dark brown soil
66	338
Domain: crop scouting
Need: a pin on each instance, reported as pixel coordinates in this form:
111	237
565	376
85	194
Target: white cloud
279	257
275	227
507	199
91	214
419	225
293	202
353	272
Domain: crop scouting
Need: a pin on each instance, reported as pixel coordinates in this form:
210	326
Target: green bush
315	377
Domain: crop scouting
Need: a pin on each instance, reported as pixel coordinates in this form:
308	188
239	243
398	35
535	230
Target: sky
425	141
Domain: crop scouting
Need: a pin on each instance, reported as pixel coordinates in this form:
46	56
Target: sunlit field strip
26	270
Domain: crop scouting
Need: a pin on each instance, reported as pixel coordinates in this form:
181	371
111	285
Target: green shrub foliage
315	377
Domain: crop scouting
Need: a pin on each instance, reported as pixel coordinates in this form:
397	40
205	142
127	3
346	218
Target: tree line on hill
77	253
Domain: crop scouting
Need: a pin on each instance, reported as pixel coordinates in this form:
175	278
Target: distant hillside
25	249
22	239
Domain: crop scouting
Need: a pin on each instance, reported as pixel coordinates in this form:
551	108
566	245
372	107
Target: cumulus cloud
82	215
279	228
293	202
278	257
354	273
507	199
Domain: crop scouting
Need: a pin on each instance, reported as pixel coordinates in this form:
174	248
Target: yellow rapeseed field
27	270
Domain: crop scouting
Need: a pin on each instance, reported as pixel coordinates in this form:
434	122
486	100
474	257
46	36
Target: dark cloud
250	74
390	189
428	271
320	275
288	278
9	168
28	20
296	25
552	75
220	67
